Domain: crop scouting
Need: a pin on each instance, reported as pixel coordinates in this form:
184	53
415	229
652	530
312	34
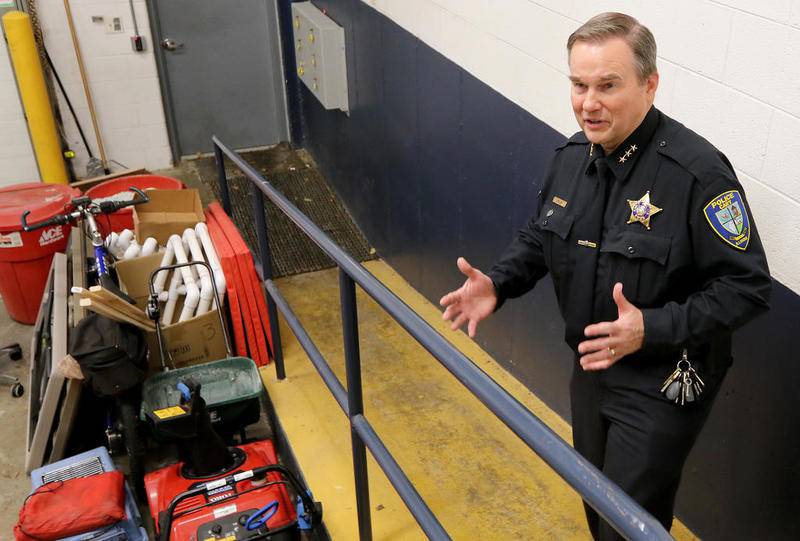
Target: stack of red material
245	295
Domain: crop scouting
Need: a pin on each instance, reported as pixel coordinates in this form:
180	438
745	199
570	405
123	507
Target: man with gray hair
634	199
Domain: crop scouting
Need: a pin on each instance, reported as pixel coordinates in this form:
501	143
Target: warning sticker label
167	413
225	511
10	240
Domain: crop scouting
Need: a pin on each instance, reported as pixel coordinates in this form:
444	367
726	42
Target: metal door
221	73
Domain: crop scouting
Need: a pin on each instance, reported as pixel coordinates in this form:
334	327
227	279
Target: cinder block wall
17	163
124	86
730	70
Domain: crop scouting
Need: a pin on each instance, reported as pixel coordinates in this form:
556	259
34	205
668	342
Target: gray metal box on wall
319	49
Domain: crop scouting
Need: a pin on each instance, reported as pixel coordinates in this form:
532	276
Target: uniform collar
624	157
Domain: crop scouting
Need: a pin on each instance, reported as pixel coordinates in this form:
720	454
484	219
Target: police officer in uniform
655	260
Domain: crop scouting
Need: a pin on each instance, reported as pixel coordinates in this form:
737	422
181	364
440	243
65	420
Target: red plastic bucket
25	257
123	218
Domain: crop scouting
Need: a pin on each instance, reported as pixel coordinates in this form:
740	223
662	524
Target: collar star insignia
642	210
591	149
628	154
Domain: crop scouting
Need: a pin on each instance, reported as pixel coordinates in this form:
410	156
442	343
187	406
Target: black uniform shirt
665	215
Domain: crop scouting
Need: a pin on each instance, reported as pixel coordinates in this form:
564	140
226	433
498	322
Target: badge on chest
642	210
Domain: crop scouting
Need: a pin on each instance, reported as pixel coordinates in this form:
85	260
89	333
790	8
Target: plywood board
69	408
55	384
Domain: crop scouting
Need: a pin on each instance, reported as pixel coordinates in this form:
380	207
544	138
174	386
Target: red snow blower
217	492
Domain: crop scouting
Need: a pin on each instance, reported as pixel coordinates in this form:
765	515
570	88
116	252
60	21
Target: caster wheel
13	351
17	390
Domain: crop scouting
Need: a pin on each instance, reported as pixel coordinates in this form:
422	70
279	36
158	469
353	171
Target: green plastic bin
231	387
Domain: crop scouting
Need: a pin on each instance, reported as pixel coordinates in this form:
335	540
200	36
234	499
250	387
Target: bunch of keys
683	385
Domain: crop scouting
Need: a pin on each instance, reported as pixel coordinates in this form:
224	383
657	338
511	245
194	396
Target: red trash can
25	256
123	218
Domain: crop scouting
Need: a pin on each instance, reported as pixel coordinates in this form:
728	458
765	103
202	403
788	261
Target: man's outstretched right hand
472	302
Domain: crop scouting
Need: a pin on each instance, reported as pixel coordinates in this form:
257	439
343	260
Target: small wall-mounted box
320	54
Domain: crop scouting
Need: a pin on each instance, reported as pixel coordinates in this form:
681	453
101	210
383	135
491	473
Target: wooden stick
105	310
87	91
94	181
105	296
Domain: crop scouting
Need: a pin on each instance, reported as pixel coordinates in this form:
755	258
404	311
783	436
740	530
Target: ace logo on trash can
51	235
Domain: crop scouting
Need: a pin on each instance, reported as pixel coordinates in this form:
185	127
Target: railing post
355	401
222	179
266	270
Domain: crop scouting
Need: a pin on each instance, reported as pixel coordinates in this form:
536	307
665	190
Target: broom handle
86	88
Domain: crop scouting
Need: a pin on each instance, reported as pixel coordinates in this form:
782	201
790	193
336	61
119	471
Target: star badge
642	210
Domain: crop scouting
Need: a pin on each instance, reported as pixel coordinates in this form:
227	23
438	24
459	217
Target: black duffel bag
112	355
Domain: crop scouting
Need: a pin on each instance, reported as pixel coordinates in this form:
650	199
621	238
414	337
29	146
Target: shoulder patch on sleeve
727	216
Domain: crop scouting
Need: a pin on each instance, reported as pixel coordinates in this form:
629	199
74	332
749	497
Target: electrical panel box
320	54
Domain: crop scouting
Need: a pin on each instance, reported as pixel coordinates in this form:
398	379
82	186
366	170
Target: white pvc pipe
206	287
149	247
192	291
132	251
124	239
161	277
211	254
185	244
171	296
111	243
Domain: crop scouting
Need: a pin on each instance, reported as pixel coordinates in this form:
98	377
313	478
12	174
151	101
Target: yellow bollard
35	101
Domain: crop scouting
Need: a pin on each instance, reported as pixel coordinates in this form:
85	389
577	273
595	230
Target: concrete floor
13	413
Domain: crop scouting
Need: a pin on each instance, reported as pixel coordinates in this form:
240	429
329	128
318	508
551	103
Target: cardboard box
169	212
194	341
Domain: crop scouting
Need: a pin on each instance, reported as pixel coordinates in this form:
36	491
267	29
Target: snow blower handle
309	512
154	312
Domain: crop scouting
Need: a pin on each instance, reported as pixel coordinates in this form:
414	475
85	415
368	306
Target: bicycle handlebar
60	219
85	206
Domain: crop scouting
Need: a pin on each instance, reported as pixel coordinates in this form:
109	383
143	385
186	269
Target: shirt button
631	250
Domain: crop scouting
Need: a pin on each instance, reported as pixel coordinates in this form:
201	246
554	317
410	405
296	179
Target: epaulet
578	138
692	152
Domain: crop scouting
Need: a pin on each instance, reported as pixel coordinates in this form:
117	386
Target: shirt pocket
639	261
556	224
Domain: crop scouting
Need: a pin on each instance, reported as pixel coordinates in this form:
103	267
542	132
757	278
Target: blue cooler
91	463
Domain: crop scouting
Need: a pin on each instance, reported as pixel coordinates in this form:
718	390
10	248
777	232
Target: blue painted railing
614	505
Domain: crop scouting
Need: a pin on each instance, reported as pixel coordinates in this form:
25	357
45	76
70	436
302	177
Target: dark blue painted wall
434	164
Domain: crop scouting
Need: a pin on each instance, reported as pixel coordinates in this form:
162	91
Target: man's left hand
615	339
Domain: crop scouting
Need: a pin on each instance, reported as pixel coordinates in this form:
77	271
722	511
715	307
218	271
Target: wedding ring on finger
612	352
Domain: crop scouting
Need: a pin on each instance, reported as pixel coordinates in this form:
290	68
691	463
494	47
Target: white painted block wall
730	70
17	161
124	84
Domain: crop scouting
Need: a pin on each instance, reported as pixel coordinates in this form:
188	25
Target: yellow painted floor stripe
474	473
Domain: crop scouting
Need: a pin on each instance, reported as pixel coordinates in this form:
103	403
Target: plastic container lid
43	200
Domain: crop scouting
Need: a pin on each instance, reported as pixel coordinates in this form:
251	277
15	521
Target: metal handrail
604	496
